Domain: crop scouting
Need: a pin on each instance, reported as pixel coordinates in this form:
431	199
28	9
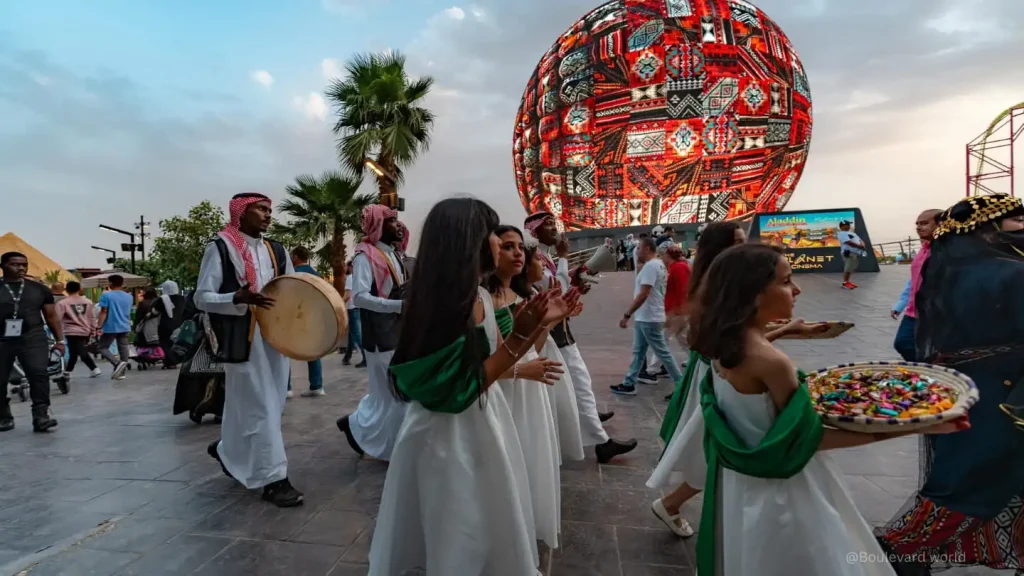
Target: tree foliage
381	115
320	211
178	251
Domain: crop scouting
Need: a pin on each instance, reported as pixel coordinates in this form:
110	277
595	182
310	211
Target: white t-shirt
350	305
849	236
654	275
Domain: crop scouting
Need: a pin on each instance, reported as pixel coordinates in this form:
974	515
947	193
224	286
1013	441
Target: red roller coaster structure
993	150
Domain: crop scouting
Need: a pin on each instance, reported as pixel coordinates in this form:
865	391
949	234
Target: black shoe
344	427
6	418
669	397
212	451
346	361
282	494
623	390
42	420
361	364
605	416
613	448
663	373
647	378
196	417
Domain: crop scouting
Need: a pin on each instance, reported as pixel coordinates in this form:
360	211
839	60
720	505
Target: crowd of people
477	392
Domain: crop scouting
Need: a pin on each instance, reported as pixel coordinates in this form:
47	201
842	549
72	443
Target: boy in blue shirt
114	324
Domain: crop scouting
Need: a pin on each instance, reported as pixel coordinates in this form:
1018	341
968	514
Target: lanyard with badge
12	326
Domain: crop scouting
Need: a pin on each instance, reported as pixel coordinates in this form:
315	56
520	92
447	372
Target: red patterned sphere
663	111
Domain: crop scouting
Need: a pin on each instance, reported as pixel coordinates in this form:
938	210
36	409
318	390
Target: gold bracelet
509	350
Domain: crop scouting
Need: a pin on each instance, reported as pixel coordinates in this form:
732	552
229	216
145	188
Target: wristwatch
627	315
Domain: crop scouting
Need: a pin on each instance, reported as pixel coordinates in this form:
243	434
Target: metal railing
897	252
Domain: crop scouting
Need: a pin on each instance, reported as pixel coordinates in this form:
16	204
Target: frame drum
308	319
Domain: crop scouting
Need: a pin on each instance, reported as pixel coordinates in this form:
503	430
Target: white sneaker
95	372
313	393
290	393
119	371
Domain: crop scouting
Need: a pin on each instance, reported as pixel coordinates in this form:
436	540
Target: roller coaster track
993	150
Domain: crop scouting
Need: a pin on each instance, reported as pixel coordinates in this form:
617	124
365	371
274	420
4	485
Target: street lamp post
113	254
389	199
141	226
130	248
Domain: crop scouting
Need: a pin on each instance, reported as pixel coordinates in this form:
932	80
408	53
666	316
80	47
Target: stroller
148	352
54	370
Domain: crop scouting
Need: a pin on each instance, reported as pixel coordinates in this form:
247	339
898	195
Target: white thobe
586	403
377	421
251	446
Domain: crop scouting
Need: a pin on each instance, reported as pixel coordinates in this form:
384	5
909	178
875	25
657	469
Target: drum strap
391	266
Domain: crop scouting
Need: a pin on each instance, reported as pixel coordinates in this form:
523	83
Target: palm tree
321	210
381	117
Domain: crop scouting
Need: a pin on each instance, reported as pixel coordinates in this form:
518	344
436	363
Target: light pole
113	254
390	198
130	248
141	226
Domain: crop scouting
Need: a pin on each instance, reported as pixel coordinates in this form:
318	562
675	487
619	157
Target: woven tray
966	391
835	328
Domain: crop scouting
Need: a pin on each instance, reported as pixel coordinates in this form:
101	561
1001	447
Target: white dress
563	405
456	499
683	459
530	403
251	446
806	524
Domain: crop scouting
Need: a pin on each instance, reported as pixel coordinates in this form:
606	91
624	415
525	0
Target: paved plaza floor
123	487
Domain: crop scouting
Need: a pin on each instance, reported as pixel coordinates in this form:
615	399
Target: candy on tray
881	393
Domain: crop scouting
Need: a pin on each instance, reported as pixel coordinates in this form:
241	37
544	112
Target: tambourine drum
308	319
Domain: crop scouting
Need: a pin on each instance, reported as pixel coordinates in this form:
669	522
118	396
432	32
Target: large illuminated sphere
663	111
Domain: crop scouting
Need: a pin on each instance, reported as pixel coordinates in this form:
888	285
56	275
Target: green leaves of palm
319	211
380	112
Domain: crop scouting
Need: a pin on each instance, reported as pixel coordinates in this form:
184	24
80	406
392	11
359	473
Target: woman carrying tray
970	317
682	464
774	505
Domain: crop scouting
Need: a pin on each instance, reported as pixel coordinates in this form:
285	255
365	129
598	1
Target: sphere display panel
663	111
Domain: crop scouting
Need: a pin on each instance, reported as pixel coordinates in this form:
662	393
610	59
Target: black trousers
78	348
33	353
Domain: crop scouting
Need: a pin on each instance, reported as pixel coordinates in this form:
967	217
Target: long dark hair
716	238
728	301
492	282
454	251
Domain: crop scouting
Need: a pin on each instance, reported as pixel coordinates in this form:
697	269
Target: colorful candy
892	393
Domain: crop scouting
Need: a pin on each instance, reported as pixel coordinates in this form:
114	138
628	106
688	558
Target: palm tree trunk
386	187
338	257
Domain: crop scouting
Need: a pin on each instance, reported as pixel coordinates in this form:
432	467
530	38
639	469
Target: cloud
455	13
263	78
331	69
313	106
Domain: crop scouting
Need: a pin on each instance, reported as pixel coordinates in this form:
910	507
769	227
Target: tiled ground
126	488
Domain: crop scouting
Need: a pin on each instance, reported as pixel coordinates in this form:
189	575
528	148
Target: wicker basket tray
966	396
835	328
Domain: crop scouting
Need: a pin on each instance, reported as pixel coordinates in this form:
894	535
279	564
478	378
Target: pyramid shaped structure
39	264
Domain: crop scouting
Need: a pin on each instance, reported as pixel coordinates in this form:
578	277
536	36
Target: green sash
503	316
442	382
678	403
782	453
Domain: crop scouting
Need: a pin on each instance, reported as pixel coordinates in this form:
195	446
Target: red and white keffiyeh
374	216
232	233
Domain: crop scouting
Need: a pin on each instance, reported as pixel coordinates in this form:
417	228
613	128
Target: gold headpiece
966	215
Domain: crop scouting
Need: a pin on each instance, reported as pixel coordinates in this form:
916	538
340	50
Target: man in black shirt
23	304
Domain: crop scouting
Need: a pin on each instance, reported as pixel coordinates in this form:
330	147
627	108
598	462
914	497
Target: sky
113	109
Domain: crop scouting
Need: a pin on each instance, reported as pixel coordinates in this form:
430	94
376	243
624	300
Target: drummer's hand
250	298
958	425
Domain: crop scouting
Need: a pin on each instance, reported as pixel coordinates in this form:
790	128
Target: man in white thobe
378	278
542	226
236	266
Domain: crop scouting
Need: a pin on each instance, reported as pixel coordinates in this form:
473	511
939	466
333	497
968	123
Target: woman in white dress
563	394
456	499
682	465
775	504
525	387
